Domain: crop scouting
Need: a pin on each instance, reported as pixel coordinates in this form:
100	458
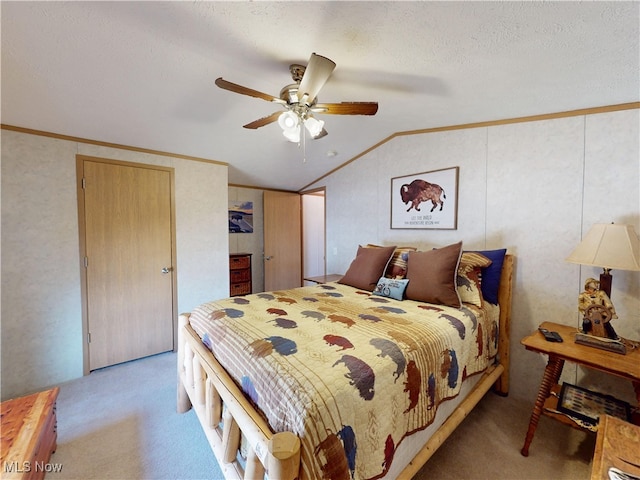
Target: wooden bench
618	446
28	436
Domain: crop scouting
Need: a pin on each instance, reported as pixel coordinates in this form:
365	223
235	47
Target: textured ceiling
141	73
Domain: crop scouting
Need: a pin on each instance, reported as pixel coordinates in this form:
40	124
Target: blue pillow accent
391	288
491	274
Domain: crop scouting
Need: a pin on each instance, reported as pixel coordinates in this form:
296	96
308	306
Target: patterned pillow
397	267
469	275
391	287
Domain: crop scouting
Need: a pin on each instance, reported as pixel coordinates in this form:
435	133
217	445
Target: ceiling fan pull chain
304	145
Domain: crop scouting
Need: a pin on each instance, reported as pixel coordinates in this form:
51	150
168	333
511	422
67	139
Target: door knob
166	270
268	257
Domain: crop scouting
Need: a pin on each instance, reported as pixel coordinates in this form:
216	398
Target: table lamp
610	246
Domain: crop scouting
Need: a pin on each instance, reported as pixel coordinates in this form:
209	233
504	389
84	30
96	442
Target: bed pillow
368	266
391	287
397	267
469	277
491	274
432	275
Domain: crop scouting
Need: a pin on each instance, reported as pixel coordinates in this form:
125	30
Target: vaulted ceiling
142	74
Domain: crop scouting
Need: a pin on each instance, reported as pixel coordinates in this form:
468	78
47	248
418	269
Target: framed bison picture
425	200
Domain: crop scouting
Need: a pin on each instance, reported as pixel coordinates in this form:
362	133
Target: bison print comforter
351	373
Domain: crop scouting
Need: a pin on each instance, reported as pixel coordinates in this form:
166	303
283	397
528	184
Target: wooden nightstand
625	366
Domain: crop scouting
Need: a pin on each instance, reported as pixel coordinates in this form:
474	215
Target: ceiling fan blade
316	74
346	108
234	87
261	122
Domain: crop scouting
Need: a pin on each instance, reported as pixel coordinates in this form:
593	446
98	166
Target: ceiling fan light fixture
293	134
300	101
288	120
290	123
314	126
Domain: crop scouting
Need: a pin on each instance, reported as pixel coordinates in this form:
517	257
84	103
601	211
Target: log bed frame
224	412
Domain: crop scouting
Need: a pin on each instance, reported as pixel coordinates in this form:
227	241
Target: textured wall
250	242
41	300
533	187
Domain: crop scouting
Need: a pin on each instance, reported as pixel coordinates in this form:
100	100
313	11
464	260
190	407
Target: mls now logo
27	467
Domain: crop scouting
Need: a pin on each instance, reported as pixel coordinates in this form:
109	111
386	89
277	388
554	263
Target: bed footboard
225	414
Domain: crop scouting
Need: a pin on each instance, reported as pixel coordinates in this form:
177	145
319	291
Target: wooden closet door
128	244
282	240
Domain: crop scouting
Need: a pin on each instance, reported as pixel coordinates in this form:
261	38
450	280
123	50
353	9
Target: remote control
550	336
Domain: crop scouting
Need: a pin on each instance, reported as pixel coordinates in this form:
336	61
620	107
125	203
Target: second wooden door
128	245
282	240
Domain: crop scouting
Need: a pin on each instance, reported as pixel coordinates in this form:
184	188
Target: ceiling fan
300	100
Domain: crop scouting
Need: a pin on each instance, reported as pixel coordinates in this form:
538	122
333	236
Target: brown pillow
367	268
432	275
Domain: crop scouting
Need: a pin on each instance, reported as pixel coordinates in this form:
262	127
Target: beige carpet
487	446
121	423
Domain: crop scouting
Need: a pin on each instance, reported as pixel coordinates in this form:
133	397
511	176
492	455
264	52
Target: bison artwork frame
427	200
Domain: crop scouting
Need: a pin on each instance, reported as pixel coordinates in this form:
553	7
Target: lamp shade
292	134
314	126
609	246
290	124
288	120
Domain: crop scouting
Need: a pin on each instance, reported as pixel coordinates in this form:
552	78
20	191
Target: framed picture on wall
425	200
240	217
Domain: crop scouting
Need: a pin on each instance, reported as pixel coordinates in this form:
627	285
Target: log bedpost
183	403
284	456
504	337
